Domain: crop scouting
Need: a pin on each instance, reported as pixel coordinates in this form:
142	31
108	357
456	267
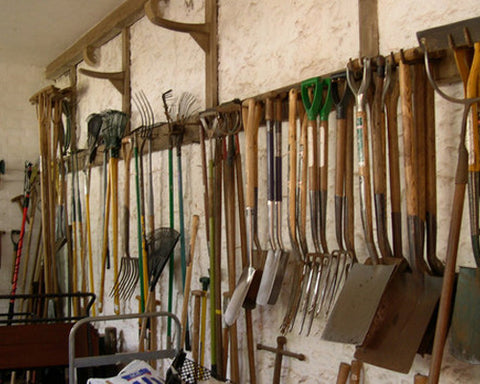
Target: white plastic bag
136	372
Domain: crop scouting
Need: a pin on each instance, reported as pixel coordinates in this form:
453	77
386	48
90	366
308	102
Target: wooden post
368	27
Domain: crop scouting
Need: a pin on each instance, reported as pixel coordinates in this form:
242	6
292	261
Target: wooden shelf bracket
120	80
204	34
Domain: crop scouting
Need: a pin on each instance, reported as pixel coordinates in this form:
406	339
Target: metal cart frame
122	357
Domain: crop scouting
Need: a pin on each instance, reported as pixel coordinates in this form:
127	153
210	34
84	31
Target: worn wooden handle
356	372
312	142
408	139
340	156
188	278
343	372
113	166
303	177
268	109
292	157
323	157
391	105
197	297
420	379
250	156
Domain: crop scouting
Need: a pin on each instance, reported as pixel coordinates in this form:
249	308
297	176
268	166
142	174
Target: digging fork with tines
128	274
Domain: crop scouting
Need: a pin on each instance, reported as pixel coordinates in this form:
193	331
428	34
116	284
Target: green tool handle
171	266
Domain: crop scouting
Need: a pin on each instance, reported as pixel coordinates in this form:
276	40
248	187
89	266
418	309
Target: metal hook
361	91
465	101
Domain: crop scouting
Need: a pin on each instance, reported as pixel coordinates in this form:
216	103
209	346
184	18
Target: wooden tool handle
408	139
356	372
292	157
312	152
391	104
277	370
378	150
444	308
303	178
113	166
197	296
340	156
188	278
268	109
251	135
104	247
420	379
323	156
343	372
127	154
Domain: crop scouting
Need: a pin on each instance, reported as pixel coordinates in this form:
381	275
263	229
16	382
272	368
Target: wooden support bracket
116	78
120	80
205	35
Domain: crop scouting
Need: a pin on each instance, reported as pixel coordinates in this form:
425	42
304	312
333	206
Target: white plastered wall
19	143
264	45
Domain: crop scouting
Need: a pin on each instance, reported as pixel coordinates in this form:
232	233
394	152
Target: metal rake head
160	244
127	279
146	114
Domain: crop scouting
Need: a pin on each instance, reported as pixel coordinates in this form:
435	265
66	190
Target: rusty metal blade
464	331
400	322
357	304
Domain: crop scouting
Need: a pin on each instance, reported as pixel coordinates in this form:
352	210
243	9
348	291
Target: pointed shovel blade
268	277
357	303
236	302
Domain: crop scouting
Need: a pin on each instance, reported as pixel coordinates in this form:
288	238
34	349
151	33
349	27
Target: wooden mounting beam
124	16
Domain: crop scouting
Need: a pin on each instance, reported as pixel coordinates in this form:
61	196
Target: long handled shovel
410	299
358	301
243	248
292	207
464	345
250	276
282	254
271	261
391	104
378	159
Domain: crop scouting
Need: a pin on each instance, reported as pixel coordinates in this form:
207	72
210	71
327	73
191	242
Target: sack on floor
137	371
